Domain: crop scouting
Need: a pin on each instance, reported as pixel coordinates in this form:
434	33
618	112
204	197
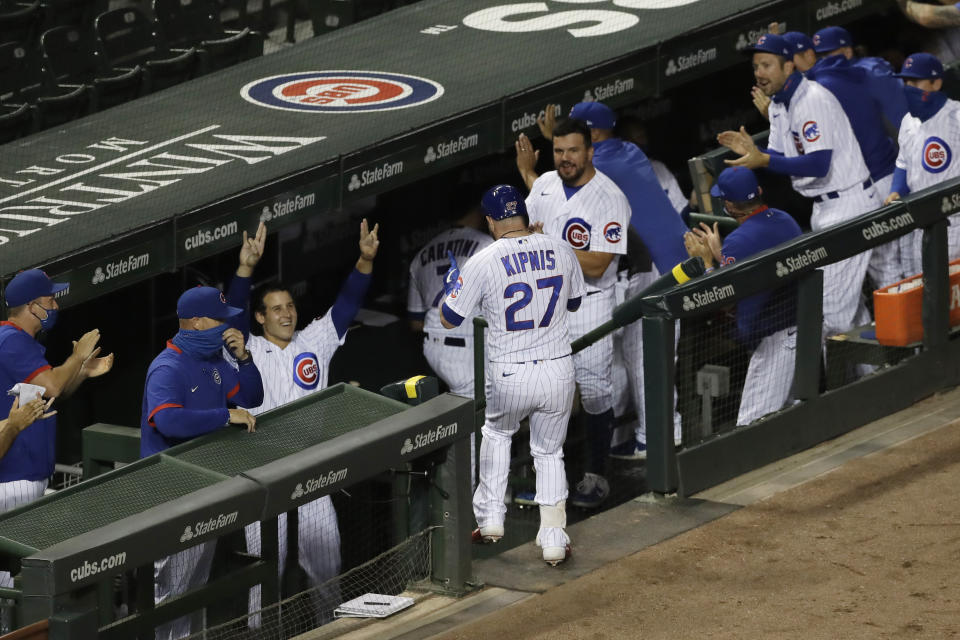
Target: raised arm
238	292
355	287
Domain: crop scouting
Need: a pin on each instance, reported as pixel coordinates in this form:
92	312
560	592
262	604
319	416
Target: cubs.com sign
341	91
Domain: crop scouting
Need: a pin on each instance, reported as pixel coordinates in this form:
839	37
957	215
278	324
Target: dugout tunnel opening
219	483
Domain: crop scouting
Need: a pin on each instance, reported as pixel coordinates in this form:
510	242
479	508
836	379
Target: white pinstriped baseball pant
544	391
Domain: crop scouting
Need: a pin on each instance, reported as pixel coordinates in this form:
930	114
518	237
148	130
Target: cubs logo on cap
306	371
612	232
921	66
577	233
936	155
341	91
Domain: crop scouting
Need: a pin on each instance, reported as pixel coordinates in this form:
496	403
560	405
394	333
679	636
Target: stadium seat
128	38
16	121
78	13
196	23
70	56
23	80
20	21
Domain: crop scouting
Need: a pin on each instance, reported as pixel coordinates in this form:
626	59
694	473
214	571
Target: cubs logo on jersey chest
306	370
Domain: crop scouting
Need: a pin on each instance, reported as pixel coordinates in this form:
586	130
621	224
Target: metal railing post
659	372
806	369
453	512
936	286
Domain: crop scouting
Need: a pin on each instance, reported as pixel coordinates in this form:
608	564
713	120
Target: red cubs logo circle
306	370
341	91
612	232
936	155
577	233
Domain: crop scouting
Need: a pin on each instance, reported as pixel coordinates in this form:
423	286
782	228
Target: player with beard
584	208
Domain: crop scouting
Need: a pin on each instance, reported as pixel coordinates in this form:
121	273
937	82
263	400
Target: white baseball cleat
555	555
487	535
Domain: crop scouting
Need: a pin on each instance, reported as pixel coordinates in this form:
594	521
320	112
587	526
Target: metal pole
659	372
453	513
806	368
936	286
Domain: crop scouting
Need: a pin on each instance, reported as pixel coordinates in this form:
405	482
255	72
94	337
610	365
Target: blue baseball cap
503	201
921	66
772	43
29	285
831	38
596	114
799	41
736	184
205	302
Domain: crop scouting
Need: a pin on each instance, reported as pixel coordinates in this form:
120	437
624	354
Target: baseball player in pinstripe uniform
295	364
449	353
856	91
811	141
525	284
766	322
583	207
929	136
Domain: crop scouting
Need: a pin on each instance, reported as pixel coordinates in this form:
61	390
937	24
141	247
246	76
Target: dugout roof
151	185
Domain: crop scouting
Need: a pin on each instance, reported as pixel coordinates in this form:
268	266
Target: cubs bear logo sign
811	131
612	232
936	155
306	370
341	91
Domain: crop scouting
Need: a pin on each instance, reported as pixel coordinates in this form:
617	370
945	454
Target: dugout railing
67	550
820	411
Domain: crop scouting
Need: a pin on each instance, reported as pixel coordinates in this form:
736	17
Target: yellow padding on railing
679	274
411	386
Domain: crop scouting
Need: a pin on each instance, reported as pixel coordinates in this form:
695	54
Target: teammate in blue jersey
766	322
32	308
882	84
188	390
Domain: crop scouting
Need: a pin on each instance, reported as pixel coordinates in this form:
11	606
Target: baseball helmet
503	201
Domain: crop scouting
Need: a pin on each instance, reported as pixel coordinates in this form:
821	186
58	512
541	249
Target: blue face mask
203	344
923	104
47	323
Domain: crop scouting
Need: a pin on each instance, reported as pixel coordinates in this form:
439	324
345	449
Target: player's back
428	268
526	284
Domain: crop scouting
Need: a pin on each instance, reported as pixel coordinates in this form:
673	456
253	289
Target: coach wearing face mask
31	310
189	390
190	385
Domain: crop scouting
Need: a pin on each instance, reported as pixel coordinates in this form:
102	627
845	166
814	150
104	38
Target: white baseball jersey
815	121
428	268
289	374
670	185
595	218
522	286
927	148
300	369
927	152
